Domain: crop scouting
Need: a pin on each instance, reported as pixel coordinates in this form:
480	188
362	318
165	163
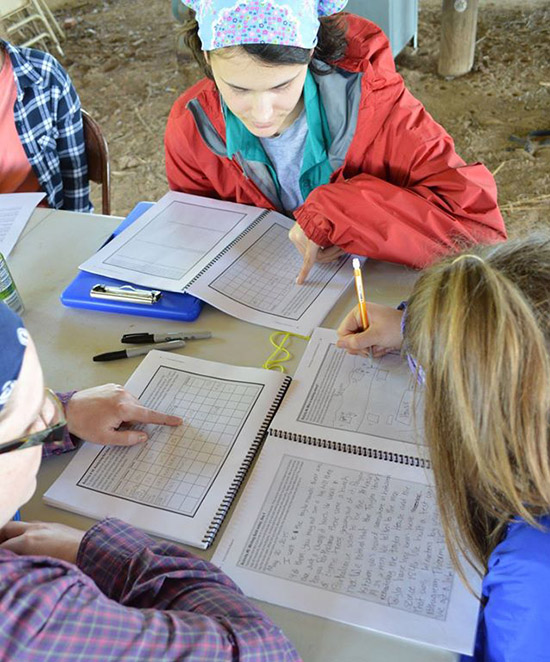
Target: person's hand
102	414
41	538
311	252
382	336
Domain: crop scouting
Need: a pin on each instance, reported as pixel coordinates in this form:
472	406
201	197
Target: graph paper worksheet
235	257
181	482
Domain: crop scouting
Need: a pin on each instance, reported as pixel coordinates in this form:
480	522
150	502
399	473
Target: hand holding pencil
369	329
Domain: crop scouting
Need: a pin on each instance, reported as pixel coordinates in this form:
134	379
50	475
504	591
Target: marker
138	351
360	293
139	338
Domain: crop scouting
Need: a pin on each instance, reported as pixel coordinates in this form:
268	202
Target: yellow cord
278	340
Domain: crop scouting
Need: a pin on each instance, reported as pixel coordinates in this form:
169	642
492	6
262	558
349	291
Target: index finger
357	341
137	413
309	260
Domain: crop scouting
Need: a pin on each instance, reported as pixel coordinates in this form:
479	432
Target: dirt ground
121	57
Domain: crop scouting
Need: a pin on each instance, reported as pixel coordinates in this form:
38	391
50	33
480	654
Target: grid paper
175	469
264	277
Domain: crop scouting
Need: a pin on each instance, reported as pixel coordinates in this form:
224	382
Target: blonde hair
479	325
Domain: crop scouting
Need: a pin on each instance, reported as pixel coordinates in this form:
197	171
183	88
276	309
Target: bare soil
121	55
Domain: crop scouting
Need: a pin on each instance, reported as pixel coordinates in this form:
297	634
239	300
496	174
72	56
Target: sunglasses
53	430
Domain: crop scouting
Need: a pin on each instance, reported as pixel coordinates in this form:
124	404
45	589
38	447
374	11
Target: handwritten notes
369	536
339	518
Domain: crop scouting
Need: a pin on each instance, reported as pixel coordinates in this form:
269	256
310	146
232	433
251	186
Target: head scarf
237	22
13	342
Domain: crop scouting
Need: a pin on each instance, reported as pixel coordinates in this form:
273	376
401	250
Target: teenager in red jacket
344	148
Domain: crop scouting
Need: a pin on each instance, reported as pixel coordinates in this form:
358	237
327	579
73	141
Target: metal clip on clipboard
125	293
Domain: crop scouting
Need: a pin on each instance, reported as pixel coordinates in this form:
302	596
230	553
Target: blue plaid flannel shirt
49	123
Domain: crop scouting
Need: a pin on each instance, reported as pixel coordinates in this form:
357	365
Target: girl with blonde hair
477	331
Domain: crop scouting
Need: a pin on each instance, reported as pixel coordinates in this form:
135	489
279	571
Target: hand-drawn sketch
359	394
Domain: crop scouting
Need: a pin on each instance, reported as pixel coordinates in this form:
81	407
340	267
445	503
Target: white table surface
45	260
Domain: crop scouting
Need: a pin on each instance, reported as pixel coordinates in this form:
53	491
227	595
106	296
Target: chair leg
51	17
42	37
106	198
31	23
48	27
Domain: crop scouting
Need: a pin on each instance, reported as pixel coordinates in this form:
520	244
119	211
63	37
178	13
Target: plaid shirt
49	123
132	599
69	442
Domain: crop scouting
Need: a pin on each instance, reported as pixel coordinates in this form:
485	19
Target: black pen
138	351
138	338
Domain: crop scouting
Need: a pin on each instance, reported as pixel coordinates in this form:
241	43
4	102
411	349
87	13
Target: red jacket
400	191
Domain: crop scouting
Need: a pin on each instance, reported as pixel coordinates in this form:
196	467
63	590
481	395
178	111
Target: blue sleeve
515	624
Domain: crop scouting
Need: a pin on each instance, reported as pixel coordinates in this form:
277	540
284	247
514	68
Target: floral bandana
13	342
237	22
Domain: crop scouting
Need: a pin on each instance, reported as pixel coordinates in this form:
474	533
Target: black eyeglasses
53	430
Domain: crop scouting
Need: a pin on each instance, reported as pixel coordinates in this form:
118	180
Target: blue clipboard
171	305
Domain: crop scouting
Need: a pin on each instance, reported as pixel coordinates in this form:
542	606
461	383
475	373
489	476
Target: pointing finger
309	261
137	413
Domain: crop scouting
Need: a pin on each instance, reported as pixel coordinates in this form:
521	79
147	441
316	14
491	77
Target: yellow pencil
360	293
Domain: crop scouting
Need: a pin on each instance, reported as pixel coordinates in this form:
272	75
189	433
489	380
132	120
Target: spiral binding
229	246
231	493
388	456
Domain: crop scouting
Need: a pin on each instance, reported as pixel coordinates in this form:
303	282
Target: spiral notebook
180	484
339	517
235	257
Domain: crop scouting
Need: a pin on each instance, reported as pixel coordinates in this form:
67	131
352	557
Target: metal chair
26	23
97	154
51	18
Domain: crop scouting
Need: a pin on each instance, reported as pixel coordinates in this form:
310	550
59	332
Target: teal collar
239	139
316	169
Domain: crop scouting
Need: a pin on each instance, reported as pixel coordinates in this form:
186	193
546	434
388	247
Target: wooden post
458	37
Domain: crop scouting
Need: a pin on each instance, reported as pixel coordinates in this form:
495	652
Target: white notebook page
174	484
349	538
235	257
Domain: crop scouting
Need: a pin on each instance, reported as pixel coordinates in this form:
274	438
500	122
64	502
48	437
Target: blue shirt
49	124
514	626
